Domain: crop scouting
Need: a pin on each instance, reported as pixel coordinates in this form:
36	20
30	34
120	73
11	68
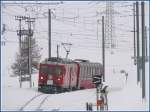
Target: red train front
58	75
50	77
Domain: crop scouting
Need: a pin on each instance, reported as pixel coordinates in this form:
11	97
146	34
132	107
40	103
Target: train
57	75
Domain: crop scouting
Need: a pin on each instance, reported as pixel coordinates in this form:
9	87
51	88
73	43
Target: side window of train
99	69
94	69
81	70
91	71
86	70
97	72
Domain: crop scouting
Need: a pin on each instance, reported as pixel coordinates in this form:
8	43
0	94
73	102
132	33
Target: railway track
42	102
35	103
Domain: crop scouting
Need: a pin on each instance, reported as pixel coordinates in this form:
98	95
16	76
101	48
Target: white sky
74	22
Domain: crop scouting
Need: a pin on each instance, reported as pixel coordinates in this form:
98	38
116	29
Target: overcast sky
72	22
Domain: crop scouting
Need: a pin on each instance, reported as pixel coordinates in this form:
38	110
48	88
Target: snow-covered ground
123	94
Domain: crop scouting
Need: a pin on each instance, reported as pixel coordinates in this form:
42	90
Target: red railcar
59	75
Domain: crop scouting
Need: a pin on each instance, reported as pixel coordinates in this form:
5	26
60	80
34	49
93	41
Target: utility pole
22	44
97	28
30	34
134	34
138	49
49	33
109	26
57	51
20	18
143	48
30	65
103	48
146	43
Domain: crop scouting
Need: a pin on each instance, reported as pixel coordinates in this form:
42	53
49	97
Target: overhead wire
84	23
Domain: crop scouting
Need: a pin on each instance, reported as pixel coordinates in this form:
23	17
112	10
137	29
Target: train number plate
49	82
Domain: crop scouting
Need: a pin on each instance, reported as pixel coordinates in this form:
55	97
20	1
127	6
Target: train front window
57	70
51	70
44	69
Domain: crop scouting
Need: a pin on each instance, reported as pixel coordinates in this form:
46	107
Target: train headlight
41	77
58	79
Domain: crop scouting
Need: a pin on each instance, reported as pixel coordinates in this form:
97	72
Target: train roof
60	61
55	60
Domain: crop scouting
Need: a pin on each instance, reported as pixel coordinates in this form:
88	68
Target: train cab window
57	71
48	70
44	69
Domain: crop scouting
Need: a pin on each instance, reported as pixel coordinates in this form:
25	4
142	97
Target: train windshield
55	70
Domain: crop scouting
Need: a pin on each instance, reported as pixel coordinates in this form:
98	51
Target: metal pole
134	33
97	28
57	51
20	76
143	49
138	50
49	32
97	96
145	35
29	38
30	34
103	48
